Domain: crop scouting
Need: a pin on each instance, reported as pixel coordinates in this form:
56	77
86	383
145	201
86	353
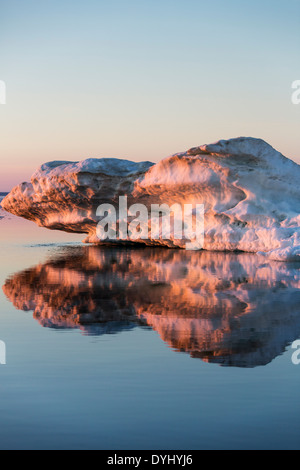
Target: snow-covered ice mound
2	213
251	194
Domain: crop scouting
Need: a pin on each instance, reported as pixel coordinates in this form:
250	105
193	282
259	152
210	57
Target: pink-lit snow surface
251	195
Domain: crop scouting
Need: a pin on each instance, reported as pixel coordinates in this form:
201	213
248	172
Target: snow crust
250	191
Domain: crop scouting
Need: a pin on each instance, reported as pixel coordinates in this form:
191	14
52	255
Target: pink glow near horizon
137	80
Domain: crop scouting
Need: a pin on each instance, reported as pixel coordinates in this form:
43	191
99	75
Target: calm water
111	348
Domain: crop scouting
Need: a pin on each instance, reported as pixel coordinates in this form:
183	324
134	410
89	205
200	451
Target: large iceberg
250	193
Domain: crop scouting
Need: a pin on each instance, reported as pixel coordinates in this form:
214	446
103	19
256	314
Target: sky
142	80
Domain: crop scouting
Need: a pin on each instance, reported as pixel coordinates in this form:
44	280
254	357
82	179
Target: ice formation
251	195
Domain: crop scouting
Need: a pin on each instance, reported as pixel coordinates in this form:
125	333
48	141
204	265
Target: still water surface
115	348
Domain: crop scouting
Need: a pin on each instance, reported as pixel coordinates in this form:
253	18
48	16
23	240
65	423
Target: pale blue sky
143	79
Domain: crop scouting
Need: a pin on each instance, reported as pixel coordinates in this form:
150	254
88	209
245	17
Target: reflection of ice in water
231	309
